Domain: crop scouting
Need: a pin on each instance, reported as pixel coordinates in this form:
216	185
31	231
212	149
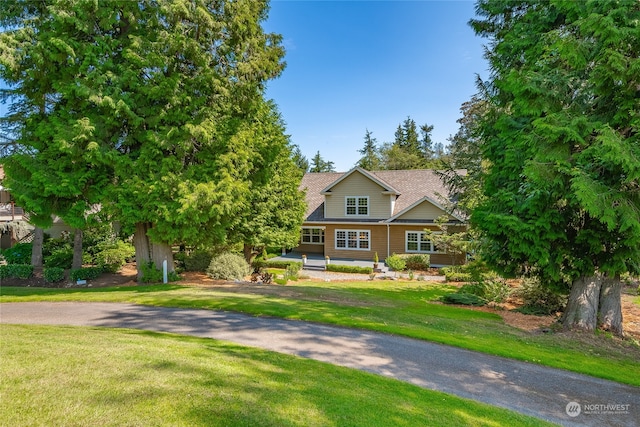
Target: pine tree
318	164
299	159
369	160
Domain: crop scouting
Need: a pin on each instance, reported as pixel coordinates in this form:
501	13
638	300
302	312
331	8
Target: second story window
357	206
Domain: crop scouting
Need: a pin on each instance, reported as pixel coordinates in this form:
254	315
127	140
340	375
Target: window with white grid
357	205
312	236
419	242
353	239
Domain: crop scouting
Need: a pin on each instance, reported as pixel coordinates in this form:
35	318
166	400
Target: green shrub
53	274
474	271
85	273
150	274
539	299
198	260
259	263
456	276
18	254
291	272
228	266
474	288
61	258
395	262
50	245
114	255
281	281
18	271
465	299
490	290
496	290
349	269
416	261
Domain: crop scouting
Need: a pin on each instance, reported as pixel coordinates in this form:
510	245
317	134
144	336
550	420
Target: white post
165	279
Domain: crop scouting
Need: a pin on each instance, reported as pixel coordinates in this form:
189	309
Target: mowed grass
70	376
403	308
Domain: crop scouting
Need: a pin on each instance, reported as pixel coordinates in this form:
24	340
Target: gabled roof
411	188
419	202
387	188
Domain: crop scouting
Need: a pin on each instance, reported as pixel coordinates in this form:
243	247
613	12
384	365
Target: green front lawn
404	308
68	376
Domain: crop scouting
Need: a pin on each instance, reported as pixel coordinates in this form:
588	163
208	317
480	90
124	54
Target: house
14	225
357	213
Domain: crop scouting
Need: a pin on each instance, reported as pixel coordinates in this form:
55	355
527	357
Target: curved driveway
527	388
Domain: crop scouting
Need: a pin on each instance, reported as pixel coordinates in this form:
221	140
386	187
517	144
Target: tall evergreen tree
49	168
318	164
426	144
465	153
562	142
370	159
156	96
411	149
410	141
299	159
274	209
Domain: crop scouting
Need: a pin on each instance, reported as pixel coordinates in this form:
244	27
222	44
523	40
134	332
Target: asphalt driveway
555	395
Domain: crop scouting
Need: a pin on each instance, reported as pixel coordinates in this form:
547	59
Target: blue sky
357	65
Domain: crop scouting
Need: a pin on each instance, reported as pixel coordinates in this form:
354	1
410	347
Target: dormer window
357	205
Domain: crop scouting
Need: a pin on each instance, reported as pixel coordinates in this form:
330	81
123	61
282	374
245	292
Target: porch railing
11	212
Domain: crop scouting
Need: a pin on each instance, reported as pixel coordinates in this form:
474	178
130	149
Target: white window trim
346	248
357	199
323	237
420	234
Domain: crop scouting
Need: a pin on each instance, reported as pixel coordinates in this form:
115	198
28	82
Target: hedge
85	273
275	264
456	276
349	269
53	274
18	271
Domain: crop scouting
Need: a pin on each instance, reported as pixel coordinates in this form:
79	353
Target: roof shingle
413	185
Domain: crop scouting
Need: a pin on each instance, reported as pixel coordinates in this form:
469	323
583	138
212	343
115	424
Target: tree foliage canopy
319	164
146	107
561	137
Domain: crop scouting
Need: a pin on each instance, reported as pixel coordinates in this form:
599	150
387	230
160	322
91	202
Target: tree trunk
248	253
161	252
77	249
610	318
36	251
142	246
582	307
